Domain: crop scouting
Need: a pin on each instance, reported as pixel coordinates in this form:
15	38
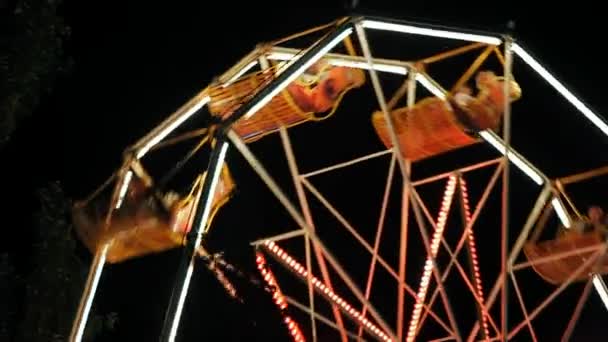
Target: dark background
137	62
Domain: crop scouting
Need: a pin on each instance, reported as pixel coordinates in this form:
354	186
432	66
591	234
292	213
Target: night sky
138	62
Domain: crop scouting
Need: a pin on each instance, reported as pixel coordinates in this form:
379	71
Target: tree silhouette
41	275
32	57
52	286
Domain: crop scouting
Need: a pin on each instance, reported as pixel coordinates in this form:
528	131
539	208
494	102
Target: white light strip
160	136
595	119
393	69
283	56
96	276
214	181
379	25
513	156
123	188
199	236
240	73
601	289
430	86
296	73
181	300
561	212
335	61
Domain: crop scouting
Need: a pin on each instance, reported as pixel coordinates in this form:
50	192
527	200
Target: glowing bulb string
473	252
279	298
325	291
448	195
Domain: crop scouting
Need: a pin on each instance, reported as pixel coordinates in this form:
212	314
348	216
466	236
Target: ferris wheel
435	252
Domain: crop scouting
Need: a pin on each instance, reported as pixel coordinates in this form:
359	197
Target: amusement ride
449	106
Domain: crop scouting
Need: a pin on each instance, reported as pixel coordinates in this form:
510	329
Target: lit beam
430	32
179	117
600	287
240	67
517	159
382	65
561	88
89	293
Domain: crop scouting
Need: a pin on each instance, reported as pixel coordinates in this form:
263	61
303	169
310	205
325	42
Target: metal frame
298	62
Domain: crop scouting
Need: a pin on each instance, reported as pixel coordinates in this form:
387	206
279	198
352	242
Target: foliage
32	57
9	283
54	283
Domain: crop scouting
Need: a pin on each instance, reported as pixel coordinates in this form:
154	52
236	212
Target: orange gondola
434	126
557	260
144	224
318	91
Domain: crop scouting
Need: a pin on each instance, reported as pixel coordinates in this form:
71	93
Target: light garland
278	297
473	250
428	266
324	290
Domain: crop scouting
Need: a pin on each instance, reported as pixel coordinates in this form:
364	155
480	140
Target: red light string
301	271
473	250
278	297
428	266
